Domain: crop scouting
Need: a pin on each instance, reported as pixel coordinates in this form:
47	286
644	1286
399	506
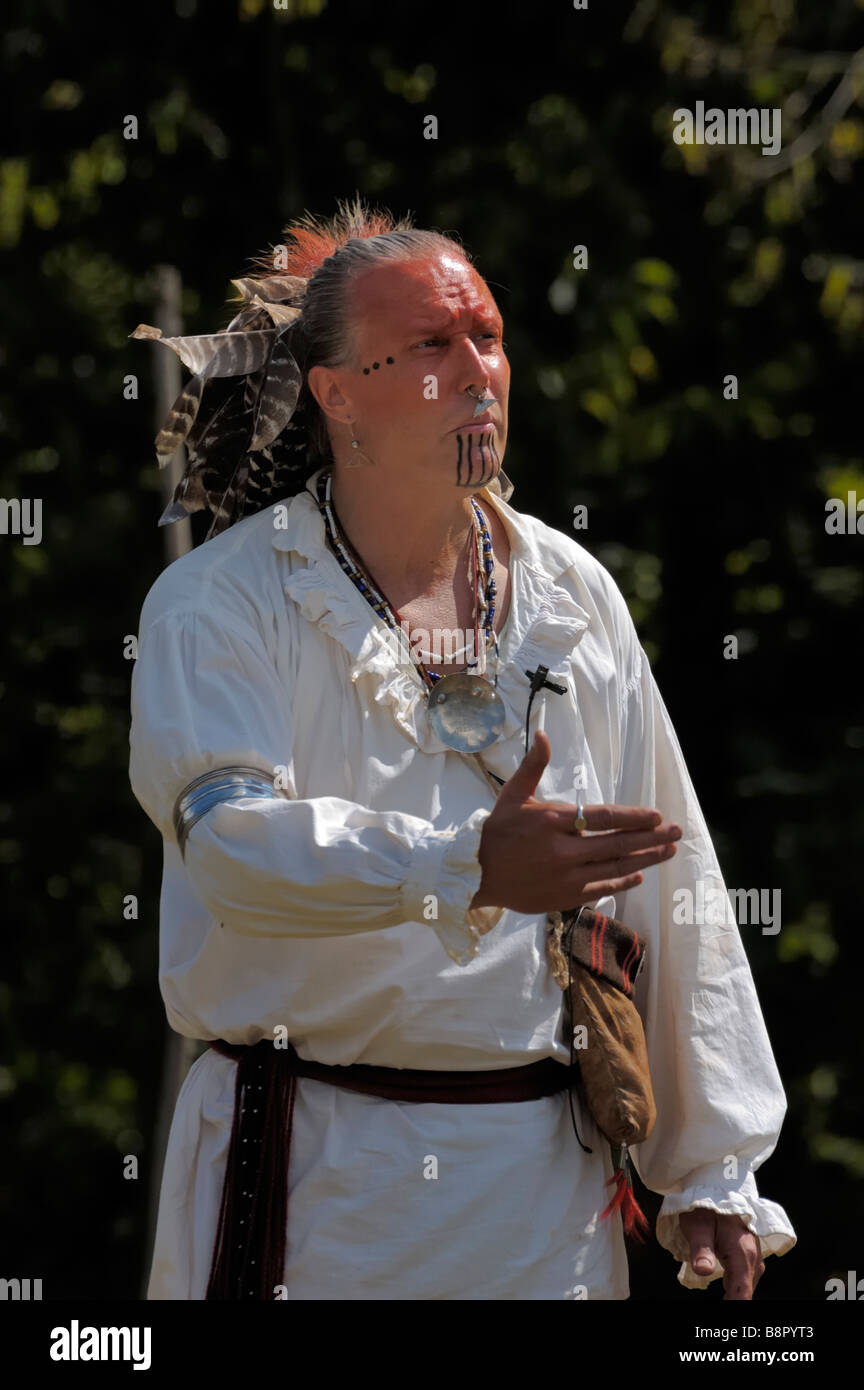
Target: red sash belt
250	1247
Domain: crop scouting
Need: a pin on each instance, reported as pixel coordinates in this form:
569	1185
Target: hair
331	253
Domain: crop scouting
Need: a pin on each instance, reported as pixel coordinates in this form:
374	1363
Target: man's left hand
712	1237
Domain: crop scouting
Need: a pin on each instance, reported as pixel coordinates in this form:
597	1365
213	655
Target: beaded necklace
474	716
360	576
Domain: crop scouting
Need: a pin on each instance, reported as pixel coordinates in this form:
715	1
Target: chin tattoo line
477	459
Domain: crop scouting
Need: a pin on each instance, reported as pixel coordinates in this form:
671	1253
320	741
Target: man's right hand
532	860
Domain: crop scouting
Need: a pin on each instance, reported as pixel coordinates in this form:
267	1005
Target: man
339	872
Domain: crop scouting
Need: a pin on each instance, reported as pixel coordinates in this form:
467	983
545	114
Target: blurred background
554	131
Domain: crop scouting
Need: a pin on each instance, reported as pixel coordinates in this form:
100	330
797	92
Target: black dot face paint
376	365
476	454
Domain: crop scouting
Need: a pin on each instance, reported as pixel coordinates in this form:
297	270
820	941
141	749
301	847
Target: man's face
424	330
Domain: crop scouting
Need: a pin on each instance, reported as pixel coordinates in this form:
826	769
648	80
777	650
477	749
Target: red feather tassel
624	1200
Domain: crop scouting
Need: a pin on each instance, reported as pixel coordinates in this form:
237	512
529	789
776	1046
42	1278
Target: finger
619	868
738	1279
741	1255
697	1227
522	785
703	1260
604	888
604	817
608	846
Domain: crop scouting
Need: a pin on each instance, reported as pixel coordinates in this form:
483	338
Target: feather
250	316
254	382
219	440
227	432
218	354
278	396
189	496
179	421
228	508
175	511
146	330
247	444
277	289
624	1200
217	391
279	313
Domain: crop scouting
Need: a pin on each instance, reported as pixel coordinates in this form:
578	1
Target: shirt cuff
446	870
729	1197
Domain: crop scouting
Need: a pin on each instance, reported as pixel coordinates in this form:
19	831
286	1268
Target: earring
358	462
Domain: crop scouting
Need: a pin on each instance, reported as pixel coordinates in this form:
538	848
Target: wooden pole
169	379
178	1053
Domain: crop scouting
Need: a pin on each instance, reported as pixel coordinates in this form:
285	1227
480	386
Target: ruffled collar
544	623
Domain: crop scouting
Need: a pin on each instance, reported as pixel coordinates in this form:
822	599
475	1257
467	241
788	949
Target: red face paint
438	321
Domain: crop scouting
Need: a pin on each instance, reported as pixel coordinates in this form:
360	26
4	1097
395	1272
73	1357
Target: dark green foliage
554	131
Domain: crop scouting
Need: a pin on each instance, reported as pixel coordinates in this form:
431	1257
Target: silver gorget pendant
466	712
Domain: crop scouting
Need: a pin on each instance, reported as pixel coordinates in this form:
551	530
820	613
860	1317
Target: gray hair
324	335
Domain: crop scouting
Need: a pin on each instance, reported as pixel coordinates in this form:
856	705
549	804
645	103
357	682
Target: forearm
330	867
207	702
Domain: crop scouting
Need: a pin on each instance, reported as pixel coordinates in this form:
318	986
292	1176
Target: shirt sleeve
720	1101
208	696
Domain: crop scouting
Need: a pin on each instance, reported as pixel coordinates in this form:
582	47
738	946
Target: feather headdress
247	443
251	431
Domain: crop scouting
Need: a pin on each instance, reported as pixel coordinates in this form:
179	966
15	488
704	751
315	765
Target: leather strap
249	1251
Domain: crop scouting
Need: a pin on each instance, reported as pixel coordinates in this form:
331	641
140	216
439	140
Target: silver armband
225	784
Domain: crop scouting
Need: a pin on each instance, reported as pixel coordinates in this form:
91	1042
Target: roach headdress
247	441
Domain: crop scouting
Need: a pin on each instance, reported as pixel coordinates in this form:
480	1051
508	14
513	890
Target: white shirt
312	911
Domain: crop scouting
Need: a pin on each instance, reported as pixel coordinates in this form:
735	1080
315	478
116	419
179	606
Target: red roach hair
309	240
